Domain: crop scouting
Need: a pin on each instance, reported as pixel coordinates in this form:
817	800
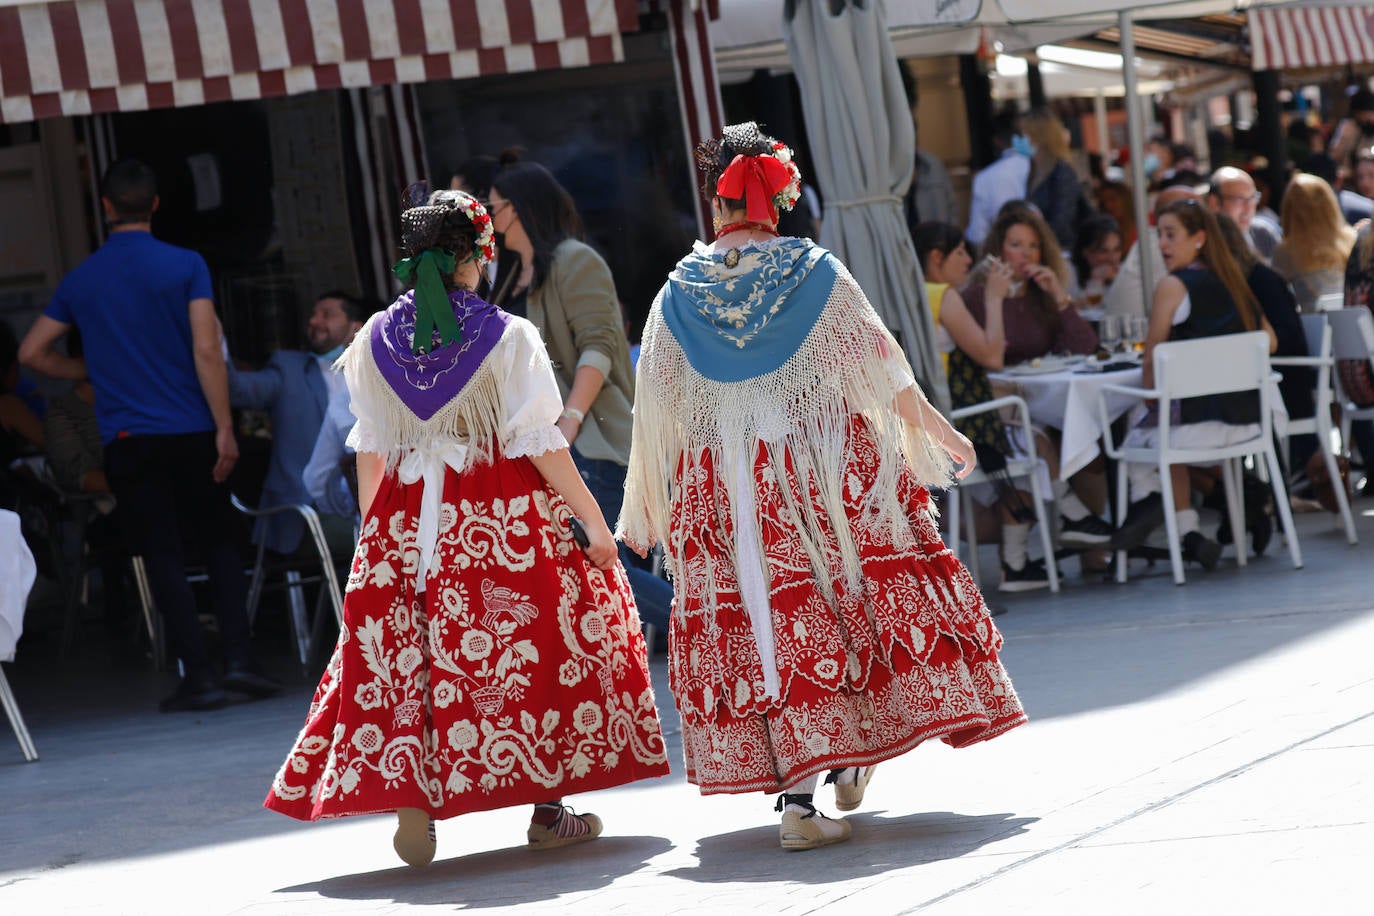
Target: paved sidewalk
1195	749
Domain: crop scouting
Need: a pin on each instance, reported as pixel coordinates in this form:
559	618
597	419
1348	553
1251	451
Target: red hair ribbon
755	180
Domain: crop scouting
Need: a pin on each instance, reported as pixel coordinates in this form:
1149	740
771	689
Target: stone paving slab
1190	749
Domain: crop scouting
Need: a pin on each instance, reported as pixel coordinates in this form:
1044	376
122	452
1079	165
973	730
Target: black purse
969	385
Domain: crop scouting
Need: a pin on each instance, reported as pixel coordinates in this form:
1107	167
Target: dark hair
1003	127
1181	151
1299	129
1323	166
131	187
933	235
1236	243
714	156
477	173
1363	100
353	306
1091	233
546	210
433	220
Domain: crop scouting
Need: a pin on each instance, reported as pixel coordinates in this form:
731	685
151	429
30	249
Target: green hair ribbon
426	272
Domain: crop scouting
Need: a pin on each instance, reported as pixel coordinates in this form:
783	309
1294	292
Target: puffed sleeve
353	365
533	404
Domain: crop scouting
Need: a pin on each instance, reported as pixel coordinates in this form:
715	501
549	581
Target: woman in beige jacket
566	290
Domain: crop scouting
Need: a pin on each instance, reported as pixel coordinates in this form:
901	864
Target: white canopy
748	34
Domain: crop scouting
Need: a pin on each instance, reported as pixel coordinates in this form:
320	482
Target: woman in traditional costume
485	661
781	454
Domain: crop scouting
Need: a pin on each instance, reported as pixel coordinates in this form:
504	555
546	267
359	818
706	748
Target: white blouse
532	401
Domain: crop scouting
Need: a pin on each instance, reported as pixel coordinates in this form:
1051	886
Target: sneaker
1028	578
566	829
850	784
414	841
1142	517
194	696
1202	550
803	827
1088	531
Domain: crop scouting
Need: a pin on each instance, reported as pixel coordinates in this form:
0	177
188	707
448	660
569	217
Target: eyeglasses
1241	198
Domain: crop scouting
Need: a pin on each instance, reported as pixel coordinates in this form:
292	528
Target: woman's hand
601	548
1046	279
961	450
997	284
569	427
1104	274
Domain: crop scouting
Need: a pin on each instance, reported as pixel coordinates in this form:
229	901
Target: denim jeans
653	594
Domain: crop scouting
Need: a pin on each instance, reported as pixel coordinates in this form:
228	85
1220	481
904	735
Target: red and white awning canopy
1287	38
78	57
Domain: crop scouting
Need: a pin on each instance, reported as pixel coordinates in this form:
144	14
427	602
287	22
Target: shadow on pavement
879	844
501	877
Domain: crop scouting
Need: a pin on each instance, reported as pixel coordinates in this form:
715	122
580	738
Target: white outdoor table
1067	401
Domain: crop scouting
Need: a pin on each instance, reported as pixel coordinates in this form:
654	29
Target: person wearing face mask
1158	162
1053	184
1003	181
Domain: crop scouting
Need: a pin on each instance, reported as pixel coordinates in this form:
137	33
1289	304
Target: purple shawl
426	382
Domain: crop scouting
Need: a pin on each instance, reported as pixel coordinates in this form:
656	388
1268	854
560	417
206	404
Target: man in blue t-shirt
147	318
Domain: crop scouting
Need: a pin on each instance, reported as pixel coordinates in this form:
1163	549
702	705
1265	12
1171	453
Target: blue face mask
1150	163
1022	145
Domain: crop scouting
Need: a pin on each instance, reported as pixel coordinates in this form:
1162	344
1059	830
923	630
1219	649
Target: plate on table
1045	366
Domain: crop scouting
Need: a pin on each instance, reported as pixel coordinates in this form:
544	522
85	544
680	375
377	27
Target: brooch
732	258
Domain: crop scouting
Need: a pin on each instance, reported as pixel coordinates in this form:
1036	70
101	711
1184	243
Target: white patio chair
1318	332
1352	337
17	573
1195	368
1023	467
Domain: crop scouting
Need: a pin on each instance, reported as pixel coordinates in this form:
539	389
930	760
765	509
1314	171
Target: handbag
969	385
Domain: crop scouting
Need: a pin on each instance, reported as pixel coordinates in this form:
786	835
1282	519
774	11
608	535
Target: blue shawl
735	323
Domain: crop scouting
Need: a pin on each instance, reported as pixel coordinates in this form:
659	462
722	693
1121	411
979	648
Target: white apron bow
427	465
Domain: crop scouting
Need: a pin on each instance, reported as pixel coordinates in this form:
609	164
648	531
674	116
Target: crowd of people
1042	249
497	467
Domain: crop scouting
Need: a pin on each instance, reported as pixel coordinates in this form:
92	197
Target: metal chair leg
300	626
21	731
1046	538
1231	481
145	600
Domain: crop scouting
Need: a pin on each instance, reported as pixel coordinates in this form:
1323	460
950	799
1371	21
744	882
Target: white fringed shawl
847	364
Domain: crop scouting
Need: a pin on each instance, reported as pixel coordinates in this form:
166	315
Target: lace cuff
898	374
531	443
362	438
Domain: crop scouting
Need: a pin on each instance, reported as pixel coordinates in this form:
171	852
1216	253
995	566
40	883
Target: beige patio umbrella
863	148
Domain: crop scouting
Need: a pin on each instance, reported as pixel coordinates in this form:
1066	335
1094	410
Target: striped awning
1289	38
78	57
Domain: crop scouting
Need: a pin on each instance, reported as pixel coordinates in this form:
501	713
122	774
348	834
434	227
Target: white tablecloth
16	578
1067	401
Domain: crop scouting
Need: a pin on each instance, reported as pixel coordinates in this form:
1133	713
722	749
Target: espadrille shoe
803	827
414	840
850	784
568	828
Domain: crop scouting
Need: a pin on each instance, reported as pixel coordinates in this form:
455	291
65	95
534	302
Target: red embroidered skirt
866	674
517	676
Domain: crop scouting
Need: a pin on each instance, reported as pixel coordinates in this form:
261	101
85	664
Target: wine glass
1111	332
1140	329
